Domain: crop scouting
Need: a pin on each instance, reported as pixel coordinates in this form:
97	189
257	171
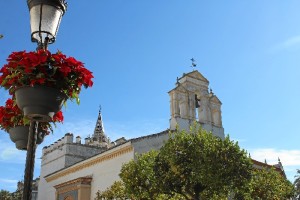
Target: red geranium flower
58	117
43	68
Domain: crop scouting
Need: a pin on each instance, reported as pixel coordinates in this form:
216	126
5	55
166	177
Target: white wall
104	173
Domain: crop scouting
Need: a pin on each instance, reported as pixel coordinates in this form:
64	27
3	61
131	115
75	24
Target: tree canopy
267	184
297	184
5	195
189	164
139	177
115	191
193	165
196	162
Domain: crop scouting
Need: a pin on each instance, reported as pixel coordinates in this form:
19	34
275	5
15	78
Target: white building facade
74	171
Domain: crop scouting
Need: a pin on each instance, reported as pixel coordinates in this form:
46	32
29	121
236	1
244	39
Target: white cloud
293	41
9	181
8	184
290	159
9	153
288	43
287	157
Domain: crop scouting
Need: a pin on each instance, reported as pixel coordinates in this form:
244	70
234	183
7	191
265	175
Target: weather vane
193	63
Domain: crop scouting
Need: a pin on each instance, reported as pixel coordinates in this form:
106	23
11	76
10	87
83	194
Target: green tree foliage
17	195
5	195
297	184
116	191
195	163
139	177
140	181
267	184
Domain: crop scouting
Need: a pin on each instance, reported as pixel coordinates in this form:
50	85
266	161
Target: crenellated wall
64	153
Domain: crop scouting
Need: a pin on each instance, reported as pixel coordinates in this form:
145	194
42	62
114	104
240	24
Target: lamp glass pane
45	25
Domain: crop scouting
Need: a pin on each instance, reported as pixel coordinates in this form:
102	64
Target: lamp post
45	17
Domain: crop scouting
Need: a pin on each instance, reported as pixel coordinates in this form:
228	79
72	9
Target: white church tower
191	101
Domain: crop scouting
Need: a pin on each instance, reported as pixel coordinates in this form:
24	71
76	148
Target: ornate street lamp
45	17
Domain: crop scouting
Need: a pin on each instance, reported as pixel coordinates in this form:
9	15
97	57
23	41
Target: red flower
65	70
43	68
58	117
10	115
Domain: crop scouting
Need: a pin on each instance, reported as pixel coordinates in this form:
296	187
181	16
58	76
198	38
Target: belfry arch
191	101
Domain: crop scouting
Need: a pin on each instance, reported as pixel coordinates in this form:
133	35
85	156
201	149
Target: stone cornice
88	163
81	180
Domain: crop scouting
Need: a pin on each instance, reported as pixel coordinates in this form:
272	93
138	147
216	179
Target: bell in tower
191	101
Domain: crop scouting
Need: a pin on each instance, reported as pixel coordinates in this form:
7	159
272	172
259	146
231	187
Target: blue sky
248	50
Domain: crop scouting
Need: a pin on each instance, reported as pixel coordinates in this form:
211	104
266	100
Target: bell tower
191	101
98	138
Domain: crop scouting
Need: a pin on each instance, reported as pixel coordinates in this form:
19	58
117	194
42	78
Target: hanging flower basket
19	135
13	121
56	73
39	103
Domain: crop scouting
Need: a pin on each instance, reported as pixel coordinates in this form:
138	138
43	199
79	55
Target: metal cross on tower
193	63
